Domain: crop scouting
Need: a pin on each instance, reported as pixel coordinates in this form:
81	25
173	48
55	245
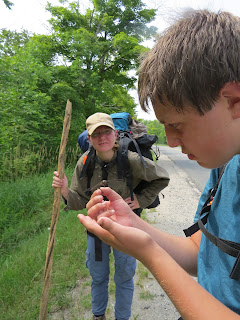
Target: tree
154	127
86	59
11	41
8	4
24	103
99	48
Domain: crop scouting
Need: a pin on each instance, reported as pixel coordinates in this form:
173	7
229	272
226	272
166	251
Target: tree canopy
89	58
8	3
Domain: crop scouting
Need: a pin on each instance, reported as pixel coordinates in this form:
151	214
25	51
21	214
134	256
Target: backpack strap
123	167
206	207
229	247
88	167
131	139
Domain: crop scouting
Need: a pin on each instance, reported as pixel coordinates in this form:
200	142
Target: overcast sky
32	16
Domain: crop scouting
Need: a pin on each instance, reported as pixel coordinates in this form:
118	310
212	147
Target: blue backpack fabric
83	141
121	120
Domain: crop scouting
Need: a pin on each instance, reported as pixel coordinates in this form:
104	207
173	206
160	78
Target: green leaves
8	3
87	59
154	127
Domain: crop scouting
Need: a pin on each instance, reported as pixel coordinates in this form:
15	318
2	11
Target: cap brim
99	124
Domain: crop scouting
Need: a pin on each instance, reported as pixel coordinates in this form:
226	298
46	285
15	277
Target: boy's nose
172	139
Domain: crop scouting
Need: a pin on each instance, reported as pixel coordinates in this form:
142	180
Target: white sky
32	16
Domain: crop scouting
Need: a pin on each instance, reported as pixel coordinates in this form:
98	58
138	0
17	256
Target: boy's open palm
111	221
116	208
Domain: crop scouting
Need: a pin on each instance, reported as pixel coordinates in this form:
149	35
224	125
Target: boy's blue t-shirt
214	266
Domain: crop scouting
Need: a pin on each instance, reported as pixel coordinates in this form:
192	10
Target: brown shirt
158	176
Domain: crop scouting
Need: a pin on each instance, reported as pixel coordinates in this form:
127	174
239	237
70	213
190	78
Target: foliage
98	48
28	161
154	127
86	59
8	3
11	41
23	106
24	223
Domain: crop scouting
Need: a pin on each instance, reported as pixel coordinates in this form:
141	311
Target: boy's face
209	139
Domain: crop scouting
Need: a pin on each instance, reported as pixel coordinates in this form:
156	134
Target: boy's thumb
106	224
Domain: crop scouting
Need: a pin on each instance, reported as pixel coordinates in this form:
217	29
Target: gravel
175	212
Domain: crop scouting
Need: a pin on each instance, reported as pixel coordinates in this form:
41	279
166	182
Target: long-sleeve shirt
155	174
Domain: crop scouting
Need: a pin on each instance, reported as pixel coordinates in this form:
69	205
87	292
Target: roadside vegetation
25	217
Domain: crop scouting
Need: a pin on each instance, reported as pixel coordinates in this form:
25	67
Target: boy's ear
231	91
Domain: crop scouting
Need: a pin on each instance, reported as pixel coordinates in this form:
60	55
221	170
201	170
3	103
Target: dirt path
150	302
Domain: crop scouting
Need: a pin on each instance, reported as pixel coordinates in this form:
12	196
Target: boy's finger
114	228
96	193
98	208
107	214
110	194
93	201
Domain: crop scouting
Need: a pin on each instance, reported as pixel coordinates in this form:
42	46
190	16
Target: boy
192	78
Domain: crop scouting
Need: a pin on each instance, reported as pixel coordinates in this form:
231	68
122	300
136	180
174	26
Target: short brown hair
191	61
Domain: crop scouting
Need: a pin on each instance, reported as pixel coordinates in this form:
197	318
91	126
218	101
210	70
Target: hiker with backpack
100	165
192	78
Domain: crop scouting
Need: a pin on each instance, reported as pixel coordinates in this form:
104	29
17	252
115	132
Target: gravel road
175	212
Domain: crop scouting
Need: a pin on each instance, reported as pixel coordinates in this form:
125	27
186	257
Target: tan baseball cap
98	119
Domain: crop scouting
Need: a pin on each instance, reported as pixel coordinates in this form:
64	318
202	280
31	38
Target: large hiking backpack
229	247
83	141
132	135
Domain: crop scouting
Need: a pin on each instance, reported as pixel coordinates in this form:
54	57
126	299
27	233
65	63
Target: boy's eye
173	125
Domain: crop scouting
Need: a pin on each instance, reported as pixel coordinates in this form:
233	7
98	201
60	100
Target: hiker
192	78
102	136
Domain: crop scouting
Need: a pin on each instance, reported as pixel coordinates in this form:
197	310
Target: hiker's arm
61	183
156	176
72	198
183	250
77	199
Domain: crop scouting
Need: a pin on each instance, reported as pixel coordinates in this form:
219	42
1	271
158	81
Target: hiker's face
103	139
208	139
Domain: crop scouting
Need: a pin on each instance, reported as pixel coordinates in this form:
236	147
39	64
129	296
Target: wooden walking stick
55	214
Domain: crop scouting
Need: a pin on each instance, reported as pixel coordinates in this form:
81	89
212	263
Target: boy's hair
191	61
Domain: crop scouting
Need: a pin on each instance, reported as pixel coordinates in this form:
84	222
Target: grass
26	209
25	161
25	217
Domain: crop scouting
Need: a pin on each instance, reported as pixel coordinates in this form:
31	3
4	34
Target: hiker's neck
105	156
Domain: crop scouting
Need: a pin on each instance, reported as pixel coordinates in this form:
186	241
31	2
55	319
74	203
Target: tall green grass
26	198
24	161
25	217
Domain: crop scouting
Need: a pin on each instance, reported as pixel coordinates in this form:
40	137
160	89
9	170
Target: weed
146	295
